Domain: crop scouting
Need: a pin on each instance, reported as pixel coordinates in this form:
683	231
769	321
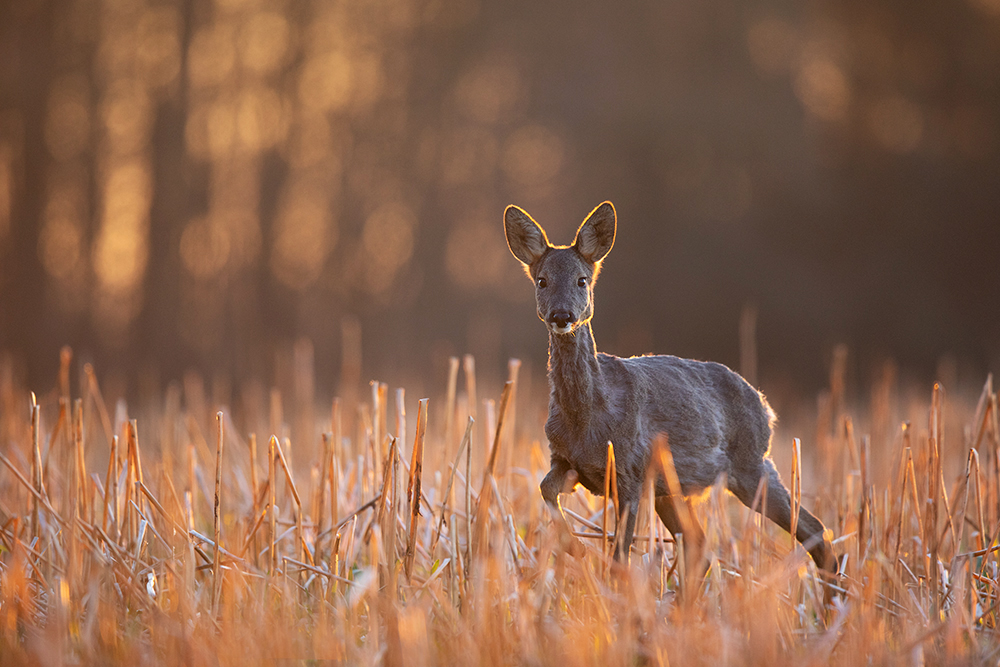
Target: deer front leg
561	478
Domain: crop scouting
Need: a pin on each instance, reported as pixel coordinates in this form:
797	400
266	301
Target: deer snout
561	320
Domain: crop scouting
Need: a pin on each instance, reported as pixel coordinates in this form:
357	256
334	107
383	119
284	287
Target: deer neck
574	374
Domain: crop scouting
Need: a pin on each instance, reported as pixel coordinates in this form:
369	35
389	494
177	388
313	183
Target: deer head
563	275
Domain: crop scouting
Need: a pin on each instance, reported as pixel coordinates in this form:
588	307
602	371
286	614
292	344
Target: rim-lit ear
525	238
596	235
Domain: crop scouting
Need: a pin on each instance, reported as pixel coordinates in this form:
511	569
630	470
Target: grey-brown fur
714	421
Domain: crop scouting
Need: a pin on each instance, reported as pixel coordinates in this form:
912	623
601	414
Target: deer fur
714	422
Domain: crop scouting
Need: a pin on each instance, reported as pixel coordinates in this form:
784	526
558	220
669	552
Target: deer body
714	421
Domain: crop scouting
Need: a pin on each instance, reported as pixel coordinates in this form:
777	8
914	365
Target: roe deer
715	423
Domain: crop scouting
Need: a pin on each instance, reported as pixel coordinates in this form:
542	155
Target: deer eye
582	282
542	282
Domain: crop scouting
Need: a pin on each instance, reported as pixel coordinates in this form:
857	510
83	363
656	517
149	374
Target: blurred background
235	185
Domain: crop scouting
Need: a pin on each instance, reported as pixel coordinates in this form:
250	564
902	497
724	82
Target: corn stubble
368	555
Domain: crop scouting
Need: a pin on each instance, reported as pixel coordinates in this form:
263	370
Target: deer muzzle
561	321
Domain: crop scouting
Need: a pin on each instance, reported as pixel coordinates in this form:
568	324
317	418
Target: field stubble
201	535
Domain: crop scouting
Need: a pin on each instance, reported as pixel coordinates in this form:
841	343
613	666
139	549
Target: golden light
368	80
330	26
118	44
896	123
67	127
303	240
158	53
126	114
326	82
221	128
399	14
211	56
413	633
241	226
532	155
120	256
121	247
260	119
263	42
234	5
822	87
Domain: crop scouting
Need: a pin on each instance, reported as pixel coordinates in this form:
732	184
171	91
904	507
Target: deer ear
597	233
525	237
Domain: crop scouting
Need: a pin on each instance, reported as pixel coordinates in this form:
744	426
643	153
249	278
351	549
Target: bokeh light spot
221	128
120	256
263	42
260	119
127	115
303	240
158	55
822	87
368	80
326	81
211	56
120	250
532	155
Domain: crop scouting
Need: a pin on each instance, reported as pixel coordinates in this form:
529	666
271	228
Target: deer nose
562	318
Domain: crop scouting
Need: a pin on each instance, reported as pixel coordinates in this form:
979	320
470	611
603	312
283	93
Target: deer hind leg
810	531
694	536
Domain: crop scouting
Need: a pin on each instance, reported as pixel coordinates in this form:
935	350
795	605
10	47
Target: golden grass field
179	531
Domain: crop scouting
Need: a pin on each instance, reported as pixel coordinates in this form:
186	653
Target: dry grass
360	548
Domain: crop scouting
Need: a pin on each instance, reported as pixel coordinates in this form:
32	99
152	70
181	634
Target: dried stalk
413	489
